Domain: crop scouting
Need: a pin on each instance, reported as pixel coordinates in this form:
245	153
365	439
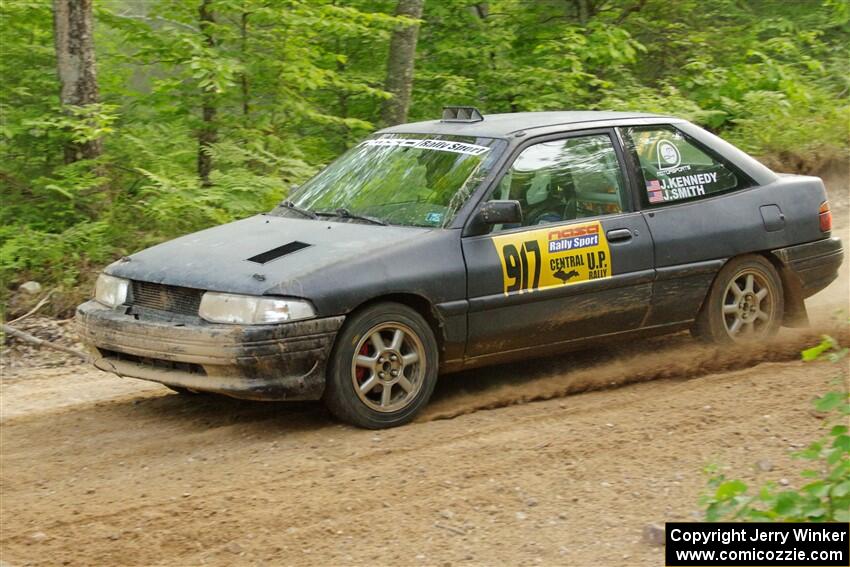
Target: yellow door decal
553	256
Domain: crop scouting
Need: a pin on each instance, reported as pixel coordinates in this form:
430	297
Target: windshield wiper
293	207
344	213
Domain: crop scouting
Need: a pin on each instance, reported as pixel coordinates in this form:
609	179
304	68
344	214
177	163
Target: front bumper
260	362
814	264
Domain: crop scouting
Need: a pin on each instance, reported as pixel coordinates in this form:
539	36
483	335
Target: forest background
126	123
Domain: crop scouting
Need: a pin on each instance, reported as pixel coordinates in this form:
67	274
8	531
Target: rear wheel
745	302
383	367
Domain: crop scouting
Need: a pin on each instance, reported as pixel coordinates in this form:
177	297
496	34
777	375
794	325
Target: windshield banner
439	145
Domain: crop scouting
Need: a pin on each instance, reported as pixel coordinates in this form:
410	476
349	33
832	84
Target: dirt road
148	478
512	465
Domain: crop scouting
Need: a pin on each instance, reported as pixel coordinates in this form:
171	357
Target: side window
675	168
564	180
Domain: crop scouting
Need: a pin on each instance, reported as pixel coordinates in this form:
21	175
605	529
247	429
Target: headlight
111	291
252	310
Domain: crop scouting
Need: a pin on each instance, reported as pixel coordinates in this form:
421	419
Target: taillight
825	217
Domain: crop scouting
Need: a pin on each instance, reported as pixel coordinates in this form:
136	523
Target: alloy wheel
748	306
388	367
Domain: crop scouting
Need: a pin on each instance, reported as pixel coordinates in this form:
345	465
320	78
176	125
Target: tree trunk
481	10
73	29
584	9
400	64
208	133
243	79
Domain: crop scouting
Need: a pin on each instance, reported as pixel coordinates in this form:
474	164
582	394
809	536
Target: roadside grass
825	496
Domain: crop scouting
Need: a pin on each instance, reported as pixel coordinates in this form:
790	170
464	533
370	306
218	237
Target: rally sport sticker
553	256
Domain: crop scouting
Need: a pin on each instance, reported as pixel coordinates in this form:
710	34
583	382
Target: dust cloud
683	359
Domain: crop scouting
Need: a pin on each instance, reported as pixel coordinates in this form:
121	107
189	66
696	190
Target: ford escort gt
475	239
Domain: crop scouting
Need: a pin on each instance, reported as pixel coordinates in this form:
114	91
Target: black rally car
442	245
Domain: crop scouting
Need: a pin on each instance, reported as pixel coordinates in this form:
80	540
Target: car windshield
401	179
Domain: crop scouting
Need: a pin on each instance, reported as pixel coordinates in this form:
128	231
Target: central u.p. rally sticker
553	256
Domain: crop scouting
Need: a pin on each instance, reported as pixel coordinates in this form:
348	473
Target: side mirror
500	212
493	213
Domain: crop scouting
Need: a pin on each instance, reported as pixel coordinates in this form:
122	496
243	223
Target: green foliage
828	348
79	124
295	83
825	497
268	73
771	76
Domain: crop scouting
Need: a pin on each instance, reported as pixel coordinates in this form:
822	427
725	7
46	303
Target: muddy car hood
260	255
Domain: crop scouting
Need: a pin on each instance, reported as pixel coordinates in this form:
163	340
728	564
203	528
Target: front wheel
745	302
383	367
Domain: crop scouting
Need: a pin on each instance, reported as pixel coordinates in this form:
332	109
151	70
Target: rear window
676	168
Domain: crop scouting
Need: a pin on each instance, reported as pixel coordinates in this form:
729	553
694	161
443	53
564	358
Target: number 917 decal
554	256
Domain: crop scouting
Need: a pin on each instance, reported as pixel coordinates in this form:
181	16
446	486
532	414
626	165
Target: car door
581	262
698	212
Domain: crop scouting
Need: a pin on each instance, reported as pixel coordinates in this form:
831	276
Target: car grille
170	298
154	362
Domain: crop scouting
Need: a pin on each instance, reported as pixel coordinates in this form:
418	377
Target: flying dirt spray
682	360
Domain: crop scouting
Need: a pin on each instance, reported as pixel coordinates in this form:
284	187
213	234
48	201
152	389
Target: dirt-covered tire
383	367
745	303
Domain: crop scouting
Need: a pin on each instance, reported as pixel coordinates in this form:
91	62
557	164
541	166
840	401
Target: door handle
619	234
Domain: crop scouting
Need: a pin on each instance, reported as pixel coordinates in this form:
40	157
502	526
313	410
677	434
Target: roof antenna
461	114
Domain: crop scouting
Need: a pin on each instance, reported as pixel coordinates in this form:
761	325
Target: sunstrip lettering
439	145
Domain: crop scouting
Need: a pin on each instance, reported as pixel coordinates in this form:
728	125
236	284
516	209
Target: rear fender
795	315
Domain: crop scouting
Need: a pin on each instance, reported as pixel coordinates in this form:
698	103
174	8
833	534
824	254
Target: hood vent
275	253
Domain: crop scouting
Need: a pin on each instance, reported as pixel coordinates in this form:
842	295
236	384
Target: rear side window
675	168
